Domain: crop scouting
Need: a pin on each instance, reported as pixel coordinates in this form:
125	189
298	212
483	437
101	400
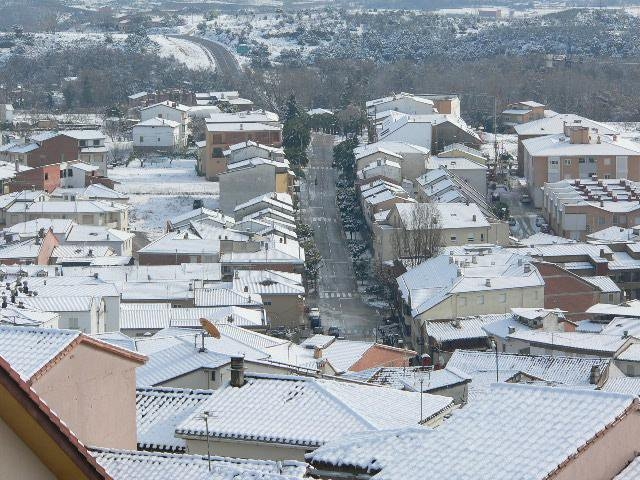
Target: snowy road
190	54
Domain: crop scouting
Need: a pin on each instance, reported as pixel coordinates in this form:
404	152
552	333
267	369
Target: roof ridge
341	403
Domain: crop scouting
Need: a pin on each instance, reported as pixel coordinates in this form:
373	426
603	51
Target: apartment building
522	112
579	152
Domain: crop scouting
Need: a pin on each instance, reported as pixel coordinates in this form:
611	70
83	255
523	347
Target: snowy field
161	188
193	56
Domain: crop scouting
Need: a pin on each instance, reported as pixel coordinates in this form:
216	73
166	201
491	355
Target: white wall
156	137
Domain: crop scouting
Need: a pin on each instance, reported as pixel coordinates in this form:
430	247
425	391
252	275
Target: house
91	148
324	410
123	464
89	383
36	444
571	371
282	293
8	172
522	112
279	202
356	356
226	129
459	150
158	413
402	102
485	440
448	382
249	149
94	191
472	282
555	125
83	212
576	208
158	134
168	110
578	153
468	171
383	169
247	179
6	113
410	157
413	129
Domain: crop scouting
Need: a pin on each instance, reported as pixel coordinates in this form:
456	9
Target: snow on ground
191	55
506	142
161	188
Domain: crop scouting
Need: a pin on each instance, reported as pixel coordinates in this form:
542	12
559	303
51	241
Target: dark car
334	331
198	203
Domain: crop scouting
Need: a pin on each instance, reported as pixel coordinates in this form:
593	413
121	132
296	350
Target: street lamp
494	345
420	374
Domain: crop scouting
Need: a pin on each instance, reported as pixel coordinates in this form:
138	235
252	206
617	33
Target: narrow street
337	297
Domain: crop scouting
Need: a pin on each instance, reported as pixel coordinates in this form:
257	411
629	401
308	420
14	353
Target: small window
582	160
462	301
554	162
592	160
567	161
502	298
607	176
70	172
141	139
46	176
471	238
266	303
158	139
607	161
454	239
213	375
96	143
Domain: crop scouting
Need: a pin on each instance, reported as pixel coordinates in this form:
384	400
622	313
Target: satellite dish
210	328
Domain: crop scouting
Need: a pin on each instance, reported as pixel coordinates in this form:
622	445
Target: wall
380	355
567	291
238	186
416	133
284	310
43	178
155	137
239	449
17	461
94	392
608	454
54	150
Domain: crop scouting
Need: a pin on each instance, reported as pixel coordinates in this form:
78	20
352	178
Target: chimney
511	329
474	259
317	352
594	375
246	289
625	334
527	267
602	255
237	371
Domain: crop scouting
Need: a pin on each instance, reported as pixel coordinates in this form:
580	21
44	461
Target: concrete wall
240	449
287	310
17	460
608	454
238	186
94	392
156	137
54	150
566	291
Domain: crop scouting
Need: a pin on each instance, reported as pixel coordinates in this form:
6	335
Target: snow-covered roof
158	122
626	385
485	439
319	111
245	118
392	148
126	464
555	125
169	104
28	349
68	303
604	283
459	329
408	378
631	472
225	297
583	343
616	234
481	367
84	134
629	308
159	411
77	207
307	412
369	451
559	145
268	282
540	238
156	316
397	96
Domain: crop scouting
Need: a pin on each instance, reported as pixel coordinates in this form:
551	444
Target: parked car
512	222
525	198
198	203
334	331
539	221
544	228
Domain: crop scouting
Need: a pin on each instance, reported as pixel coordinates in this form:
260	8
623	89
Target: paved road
524	214
338	298
226	63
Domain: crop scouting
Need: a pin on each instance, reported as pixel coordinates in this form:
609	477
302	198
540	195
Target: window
601	221
83	143
213	375
454	239
582	160
73	323
266	303
471	237
217	153
567	161
96	143
480	299
69	172
158	139
592	160
482	237
462	302
554	162
607	161
141	139
46	176
159	115
502	298
607	176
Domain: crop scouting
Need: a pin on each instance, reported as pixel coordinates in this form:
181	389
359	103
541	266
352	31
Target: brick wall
567	291
54	150
41	178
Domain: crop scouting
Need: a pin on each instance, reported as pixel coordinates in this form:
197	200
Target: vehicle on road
525	198
334	331
539	221
512	222
544	228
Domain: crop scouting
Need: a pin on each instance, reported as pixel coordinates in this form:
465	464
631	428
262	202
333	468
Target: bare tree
418	234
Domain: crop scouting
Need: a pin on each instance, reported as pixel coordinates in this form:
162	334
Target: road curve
226	64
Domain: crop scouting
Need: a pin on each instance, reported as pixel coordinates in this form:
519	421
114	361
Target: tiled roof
130	465
156	316
591	343
29	349
627	385
459	329
481	366
306	411
159	411
514	431
408	378
368	451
